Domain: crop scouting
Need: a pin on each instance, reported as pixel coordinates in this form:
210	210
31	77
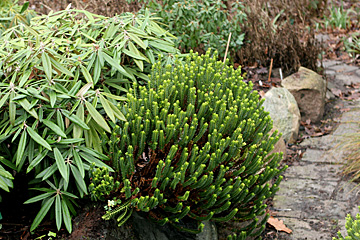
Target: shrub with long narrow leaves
196	145
12	14
62	79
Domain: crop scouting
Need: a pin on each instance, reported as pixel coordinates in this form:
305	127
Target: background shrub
195	146
200	25
62	78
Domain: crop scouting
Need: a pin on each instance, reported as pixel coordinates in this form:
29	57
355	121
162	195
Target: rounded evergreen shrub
196	144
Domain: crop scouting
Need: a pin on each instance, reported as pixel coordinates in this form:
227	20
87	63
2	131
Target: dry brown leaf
278	225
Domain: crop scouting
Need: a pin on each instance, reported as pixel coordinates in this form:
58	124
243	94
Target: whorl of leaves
196	144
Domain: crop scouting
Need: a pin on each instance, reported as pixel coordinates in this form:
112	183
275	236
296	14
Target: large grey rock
284	112
309	90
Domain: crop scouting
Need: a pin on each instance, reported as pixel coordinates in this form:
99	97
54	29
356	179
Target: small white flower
111	203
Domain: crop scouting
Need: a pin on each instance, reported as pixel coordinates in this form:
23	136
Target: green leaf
37	160
60	67
75	119
12	109
47	65
66	216
37	138
58	211
69	141
5	174
117	112
4	98
116	65
107	108
60	162
26	105
52	126
86	74
24	7
78	131
79	179
97	117
78	163
21	147
24	78
40	197
3	185
52	98
137	40
42	213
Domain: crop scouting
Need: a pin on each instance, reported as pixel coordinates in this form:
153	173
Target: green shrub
352	227
200	25
62	79
12	14
195	145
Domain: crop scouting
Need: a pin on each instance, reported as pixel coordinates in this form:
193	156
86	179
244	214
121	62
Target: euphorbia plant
196	145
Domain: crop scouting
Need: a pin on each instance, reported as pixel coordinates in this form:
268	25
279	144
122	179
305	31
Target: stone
330	63
284	112
343	68
348	79
322	37
309	90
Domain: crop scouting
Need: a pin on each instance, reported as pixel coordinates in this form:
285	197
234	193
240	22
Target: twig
271	64
227	47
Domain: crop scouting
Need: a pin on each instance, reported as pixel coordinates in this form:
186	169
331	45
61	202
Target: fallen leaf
278	225
262	93
336	92
344	110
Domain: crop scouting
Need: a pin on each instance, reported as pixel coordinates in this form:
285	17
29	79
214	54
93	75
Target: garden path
314	198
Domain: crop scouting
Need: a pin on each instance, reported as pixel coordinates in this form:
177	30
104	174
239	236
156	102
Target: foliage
338	17
62	79
12	14
195	145
352	45
352	227
101	182
197	23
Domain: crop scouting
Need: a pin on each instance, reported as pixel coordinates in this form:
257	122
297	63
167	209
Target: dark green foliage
62	79
196	144
200	25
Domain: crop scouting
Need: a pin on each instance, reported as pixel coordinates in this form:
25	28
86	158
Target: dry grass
351	146
278	31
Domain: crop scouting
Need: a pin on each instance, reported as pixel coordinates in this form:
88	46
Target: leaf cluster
200	25
12	14
196	144
62	79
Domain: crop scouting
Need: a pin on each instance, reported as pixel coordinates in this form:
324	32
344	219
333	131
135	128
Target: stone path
314	199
